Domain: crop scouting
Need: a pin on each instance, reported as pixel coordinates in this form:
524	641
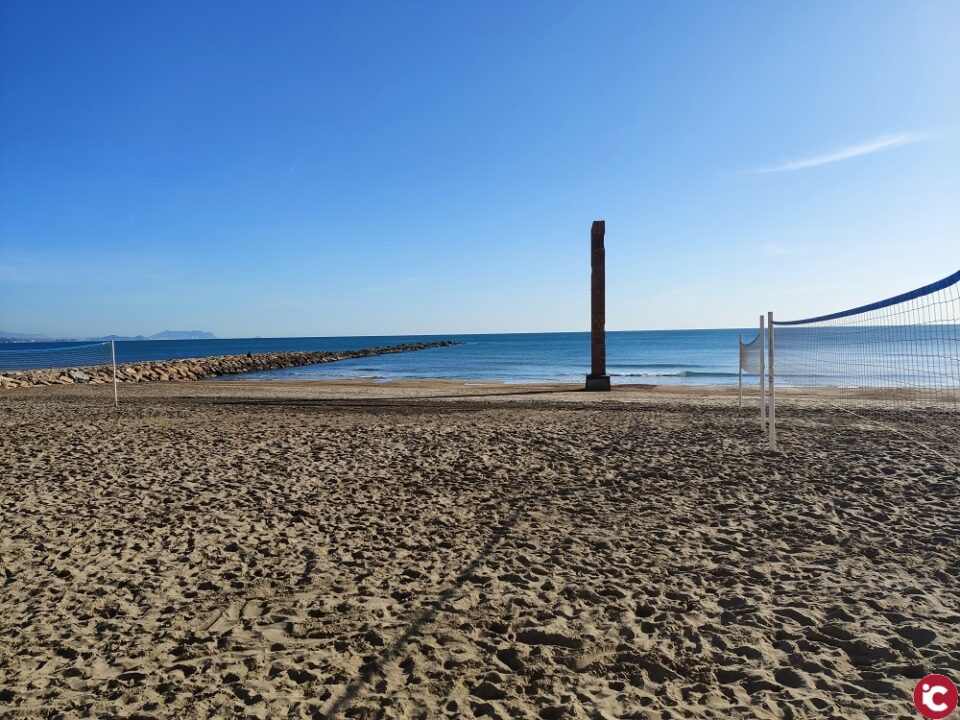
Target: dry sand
431	550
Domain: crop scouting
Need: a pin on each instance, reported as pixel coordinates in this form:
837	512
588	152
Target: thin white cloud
884	142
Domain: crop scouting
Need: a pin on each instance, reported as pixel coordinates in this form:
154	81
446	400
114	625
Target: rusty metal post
598	378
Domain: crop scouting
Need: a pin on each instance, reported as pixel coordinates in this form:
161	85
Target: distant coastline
8	337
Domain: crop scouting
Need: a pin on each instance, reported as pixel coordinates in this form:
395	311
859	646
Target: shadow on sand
427	613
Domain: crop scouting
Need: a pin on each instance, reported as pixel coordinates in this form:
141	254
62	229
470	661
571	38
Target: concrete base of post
598	382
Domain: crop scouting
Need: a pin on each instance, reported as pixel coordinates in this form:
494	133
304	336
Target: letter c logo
935	697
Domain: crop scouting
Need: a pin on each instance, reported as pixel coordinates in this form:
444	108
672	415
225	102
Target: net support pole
740	373
113	360
598	378
771	345
763	389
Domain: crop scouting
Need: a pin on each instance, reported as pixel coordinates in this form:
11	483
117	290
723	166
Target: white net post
772	425
763	389
113	361
740	374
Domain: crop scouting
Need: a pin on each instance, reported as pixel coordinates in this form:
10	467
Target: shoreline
413	389
412	394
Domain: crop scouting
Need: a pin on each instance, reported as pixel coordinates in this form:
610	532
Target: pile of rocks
196	368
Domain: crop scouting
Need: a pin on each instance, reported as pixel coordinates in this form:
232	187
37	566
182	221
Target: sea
913	356
692	357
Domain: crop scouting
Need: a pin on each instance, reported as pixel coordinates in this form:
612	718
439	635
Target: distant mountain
22	337
9	337
183	335
165	335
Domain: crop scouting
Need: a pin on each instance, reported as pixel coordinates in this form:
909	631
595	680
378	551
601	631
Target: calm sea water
706	357
679	356
919	356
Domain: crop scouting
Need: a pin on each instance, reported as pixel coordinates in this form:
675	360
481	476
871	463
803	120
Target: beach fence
894	362
66	362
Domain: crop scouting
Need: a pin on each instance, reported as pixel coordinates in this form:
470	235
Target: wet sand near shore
451	550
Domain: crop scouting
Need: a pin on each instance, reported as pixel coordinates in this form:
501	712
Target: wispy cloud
884	142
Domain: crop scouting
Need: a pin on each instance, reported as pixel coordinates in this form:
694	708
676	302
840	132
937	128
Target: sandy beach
421	550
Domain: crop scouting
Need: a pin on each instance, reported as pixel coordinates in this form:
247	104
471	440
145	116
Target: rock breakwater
196	368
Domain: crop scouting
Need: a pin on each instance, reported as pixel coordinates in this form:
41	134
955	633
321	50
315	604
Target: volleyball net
751	355
895	362
21	356
68	360
751	361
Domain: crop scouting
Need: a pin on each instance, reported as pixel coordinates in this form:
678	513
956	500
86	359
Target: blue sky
311	168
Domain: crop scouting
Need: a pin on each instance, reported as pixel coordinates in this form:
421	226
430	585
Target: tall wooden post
598	378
